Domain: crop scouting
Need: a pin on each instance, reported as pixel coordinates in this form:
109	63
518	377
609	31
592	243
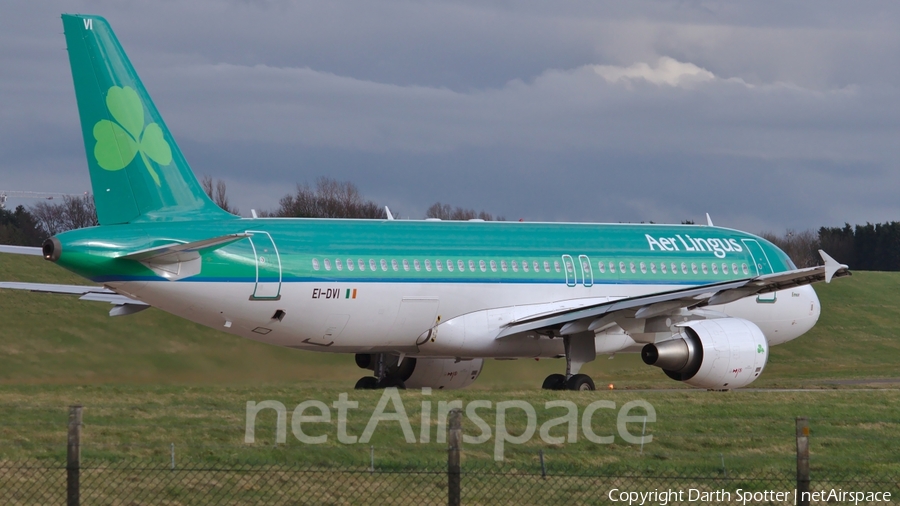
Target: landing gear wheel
367	383
392	382
554	382
363	360
580	382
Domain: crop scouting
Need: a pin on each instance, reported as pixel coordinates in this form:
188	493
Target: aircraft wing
582	319
123	305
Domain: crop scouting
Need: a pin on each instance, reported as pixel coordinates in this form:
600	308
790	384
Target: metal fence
135	482
448	477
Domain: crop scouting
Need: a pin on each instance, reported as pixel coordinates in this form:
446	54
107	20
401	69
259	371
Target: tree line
329	198
869	247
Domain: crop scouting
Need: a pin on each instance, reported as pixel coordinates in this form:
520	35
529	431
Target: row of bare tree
864	247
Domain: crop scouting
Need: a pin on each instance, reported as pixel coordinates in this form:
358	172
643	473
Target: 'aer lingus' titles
719	247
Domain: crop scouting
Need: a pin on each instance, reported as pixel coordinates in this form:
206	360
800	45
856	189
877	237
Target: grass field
151	380
694	430
54	339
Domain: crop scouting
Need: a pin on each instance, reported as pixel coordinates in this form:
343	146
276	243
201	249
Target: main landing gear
575	382
389	370
579	350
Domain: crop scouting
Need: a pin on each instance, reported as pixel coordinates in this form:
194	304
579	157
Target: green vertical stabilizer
137	171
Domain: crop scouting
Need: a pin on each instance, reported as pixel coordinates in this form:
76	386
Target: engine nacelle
442	373
720	353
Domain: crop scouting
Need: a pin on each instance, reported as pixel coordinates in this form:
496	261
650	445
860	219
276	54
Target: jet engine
716	354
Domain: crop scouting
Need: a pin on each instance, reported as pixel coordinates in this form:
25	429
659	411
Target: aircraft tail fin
137	171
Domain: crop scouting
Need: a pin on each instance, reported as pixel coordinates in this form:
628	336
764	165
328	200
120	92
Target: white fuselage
376	317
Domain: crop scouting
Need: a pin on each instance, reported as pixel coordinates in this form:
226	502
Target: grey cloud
494	105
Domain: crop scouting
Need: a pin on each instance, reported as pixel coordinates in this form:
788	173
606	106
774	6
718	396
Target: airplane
419	303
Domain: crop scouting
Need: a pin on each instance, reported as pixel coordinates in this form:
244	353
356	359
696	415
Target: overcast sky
767	115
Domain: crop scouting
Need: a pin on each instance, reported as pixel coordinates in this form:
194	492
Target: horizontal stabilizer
21	250
123	305
176	252
52	288
180	260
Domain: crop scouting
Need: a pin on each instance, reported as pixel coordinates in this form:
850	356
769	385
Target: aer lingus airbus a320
420	303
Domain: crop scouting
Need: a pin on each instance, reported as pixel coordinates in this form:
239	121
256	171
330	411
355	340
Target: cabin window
327	264
705	270
450	265
744	269
674	268
515	266
546	266
612	267
715	268
361	264
643	268
338	264
482	265
724	268
439	265
503	265
734	269
350	265
622	267
556	265
694	267
601	267
493	266
662	267
632	268
315	262
372	264
461	265
383	264
525	265
683	268
536	266
427	265
653	267
472	266
394	265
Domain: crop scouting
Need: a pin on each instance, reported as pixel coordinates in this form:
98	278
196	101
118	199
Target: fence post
802	461
73	457
454	438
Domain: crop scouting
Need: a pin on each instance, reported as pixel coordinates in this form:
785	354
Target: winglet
709	221
388	212
831	266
